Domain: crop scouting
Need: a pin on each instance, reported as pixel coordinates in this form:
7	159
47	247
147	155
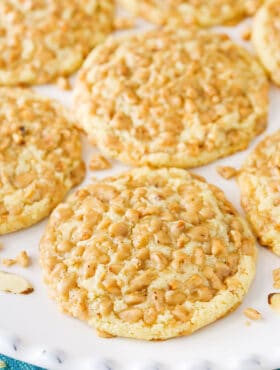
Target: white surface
32	328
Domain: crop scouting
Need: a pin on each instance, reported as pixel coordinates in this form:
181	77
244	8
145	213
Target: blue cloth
11	364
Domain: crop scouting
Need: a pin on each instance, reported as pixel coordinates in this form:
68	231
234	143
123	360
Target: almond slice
13	283
252	314
274	301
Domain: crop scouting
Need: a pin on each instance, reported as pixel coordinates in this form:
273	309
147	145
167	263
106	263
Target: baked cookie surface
149	254
266	37
171	99
202	12
43	39
259	181
40	157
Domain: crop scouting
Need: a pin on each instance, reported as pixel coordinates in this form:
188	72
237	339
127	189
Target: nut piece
8	262
131	315
246	34
63	83
276	278
227	172
252	314
103	334
98	162
23	259
2	365
274	301
123	23
14	284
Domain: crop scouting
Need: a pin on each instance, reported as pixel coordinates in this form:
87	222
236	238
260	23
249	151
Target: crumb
246	34
23	259
252	314
248	323
227	172
124	23
63	83
98	162
8	262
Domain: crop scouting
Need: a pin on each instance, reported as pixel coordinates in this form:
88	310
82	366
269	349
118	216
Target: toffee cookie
171	99
43	39
201	12
259	181
266	37
40	157
149	254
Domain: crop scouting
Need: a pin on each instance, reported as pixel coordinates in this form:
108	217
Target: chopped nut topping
258	180
58	35
42	156
98	162
227	172
128	266
184	13
252	314
274	301
14	284
145	118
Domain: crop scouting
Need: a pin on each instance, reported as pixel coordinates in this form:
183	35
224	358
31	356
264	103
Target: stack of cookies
156	252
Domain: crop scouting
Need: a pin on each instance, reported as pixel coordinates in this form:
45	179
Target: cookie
266	37
41	40
149	254
171	98
202	12
259	181
40	157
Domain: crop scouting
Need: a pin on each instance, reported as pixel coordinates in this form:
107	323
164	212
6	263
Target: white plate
32	328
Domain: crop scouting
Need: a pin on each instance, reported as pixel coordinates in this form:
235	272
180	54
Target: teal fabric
11	364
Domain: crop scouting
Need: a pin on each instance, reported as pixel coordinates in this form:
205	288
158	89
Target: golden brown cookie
40	157
266	37
171	98
149	254
201	12
43	39
259	181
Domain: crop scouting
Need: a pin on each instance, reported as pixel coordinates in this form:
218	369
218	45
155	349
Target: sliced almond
274	301
13	283
252	314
